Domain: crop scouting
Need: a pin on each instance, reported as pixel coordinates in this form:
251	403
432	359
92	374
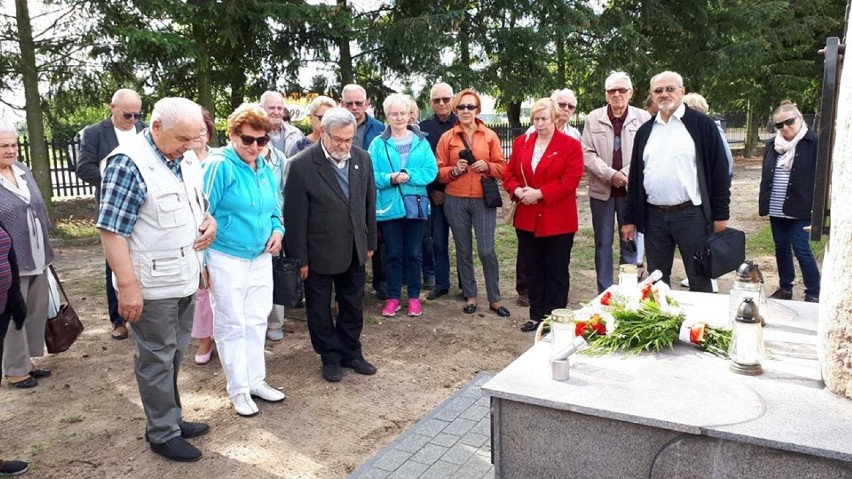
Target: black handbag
720	253
287	287
490	189
62	330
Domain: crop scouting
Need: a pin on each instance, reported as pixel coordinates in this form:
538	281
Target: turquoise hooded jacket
421	166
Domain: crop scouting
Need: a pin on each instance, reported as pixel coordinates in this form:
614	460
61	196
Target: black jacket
709	156
96	143
15	307
800	190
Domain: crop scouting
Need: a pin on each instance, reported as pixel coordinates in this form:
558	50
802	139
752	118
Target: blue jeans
404	248
790	237
441	246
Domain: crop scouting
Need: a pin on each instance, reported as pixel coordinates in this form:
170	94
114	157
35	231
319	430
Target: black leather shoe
13	468
40	373
501	311
28	383
782	294
360	366
811	299
177	449
332	372
192	429
437	292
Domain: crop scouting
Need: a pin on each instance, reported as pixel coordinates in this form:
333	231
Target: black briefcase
287	288
720	253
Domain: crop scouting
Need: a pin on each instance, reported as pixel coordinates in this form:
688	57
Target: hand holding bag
287	287
63	329
490	190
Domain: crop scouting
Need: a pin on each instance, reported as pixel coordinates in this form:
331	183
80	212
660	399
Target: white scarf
787	149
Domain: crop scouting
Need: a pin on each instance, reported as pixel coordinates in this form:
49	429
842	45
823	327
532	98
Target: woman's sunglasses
466	107
248	140
787	122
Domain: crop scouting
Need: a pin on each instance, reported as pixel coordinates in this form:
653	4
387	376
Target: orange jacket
485	146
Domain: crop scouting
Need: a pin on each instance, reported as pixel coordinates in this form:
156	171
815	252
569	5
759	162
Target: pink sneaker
391	307
414	307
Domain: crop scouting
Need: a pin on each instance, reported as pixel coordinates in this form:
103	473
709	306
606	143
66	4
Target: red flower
594	326
580	328
605	298
646	292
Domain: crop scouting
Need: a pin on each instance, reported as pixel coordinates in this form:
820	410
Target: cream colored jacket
598	137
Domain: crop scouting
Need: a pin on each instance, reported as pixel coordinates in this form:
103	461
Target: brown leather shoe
523	300
119	333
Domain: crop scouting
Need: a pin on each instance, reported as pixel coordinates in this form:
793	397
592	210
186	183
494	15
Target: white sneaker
268	393
275	334
715	285
685	282
244	405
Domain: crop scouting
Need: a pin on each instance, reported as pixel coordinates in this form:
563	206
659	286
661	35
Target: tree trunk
752	140
204	79
513	112
561	76
346	68
39	160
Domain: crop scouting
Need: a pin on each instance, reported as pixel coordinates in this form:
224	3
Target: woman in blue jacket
243	196
403	164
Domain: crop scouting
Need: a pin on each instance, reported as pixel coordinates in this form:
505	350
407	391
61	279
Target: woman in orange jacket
467	153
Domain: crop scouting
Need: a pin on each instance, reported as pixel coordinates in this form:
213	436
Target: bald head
126	108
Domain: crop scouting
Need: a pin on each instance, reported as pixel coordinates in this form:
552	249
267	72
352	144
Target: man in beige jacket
607	146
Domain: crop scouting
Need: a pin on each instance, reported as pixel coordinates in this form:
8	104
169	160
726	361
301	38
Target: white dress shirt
671	175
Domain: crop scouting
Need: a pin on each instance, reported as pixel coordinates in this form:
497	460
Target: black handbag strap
705	196
59	284
387	153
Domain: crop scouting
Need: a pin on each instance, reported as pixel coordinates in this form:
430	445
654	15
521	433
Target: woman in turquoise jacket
243	194
403	164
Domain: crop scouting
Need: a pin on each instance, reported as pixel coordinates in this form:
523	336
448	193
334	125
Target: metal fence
64	154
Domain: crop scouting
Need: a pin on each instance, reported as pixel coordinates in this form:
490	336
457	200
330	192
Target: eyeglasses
341	141
567	105
398	114
467	106
350	104
318	117
248	140
128	116
787	122
668	89
623	91
443	99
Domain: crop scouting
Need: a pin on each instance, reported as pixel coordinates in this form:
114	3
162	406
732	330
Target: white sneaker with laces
268	393
244	405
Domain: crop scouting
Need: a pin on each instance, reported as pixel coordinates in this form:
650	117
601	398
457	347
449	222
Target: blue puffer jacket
243	201
421	167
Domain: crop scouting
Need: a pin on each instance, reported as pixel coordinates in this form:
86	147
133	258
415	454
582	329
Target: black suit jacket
323	226
96	143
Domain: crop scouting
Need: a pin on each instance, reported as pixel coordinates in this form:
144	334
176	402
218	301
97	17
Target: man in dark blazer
330	217
96	143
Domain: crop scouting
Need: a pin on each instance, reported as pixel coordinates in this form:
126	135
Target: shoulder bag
717	253
62	330
490	189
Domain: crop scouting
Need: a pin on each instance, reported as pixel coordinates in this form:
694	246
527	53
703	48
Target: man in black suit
96	143
330	216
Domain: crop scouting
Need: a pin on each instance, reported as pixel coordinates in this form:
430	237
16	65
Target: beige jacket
598	137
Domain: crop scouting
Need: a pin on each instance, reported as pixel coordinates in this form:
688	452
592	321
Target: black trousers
547	260
520	273
340	339
683	229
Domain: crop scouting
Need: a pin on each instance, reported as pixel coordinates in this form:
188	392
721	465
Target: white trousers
241	291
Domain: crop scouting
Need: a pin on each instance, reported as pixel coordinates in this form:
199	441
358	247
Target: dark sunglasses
567	105
787	122
248	140
613	91
443	99
468	106
668	89
318	117
128	116
350	104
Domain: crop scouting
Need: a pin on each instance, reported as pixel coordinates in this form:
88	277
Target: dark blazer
96	143
800	190
322	225
709	156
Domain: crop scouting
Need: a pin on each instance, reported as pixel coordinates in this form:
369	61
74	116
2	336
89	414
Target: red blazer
557	176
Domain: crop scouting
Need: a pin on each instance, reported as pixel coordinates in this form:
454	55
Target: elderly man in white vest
154	226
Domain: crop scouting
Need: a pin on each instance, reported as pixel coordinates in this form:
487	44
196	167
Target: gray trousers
20	346
604	215
162	335
467	216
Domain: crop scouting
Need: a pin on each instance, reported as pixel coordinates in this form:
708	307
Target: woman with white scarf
786	195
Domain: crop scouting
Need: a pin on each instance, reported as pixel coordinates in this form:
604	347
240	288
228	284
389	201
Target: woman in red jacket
542	177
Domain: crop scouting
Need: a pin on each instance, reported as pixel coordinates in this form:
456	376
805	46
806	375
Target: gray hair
268	94
677	76
7	126
696	102
565	91
169	110
123	93
319	101
441	85
614	77
398	100
352	87
337	117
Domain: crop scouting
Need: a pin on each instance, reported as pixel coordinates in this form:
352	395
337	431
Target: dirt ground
87	421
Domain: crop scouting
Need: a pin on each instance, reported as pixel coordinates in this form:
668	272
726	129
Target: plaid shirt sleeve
122	194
